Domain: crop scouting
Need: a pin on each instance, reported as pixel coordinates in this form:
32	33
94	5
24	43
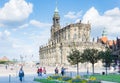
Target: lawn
110	77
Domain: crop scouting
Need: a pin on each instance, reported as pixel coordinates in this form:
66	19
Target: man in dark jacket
21	74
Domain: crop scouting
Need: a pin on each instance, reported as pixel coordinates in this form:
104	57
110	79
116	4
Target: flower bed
66	79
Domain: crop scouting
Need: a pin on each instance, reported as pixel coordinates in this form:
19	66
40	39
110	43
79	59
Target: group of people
41	71
62	71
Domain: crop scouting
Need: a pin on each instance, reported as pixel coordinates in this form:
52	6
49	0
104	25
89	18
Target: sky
25	24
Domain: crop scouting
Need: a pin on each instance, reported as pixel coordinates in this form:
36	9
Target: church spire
56	18
56	9
104	33
56	23
56	12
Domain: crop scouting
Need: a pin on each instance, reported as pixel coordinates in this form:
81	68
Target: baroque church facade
63	40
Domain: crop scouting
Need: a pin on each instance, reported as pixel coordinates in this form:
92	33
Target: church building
63	40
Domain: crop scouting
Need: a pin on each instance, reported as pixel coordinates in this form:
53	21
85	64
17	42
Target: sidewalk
14	79
107	82
30	73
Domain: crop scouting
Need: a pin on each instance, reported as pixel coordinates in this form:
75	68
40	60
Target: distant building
64	39
114	45
105	41
4	58
116	51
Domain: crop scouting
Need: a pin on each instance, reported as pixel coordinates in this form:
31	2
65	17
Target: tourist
56	70
44	70
40	71
6	67
62	71
21	74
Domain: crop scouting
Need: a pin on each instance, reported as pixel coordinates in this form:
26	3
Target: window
68	36
74	29
75	36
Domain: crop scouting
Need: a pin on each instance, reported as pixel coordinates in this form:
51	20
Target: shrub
64	78
92	78
84	81
76	81
49	78
56	77
78	77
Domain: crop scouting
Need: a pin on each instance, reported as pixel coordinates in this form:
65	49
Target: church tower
56	23
104	33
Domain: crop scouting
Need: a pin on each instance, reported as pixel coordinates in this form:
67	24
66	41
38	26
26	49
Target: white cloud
23	26
7	33
110	19
91	15
113	12
39	24
15	10
2	25
16	45
0	34
4	35
73	15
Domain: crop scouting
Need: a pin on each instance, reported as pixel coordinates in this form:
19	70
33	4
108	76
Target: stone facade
64	39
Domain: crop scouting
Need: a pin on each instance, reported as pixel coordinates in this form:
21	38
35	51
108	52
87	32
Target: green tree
92	56
106	57
74	58
3	62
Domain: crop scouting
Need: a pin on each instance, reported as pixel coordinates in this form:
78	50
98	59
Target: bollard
9	78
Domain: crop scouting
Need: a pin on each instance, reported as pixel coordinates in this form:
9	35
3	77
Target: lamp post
61	52
21	58
87	67
119	63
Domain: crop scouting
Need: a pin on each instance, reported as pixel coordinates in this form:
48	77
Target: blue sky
25	24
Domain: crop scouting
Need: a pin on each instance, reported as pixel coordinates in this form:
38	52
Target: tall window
79	35
68	36
75	36
68	33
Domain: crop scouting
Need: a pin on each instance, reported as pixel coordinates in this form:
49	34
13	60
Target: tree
92	56
106	57
74	58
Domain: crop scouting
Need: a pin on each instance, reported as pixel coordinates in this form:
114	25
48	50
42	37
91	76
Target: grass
47	81
110	77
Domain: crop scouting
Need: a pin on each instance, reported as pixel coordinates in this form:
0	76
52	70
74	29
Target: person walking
56	70
44	70
21	74
62	71
40	71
